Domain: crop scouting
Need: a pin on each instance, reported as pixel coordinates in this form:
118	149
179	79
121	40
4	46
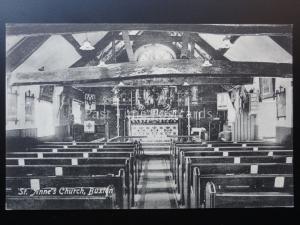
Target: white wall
266	118
45	113
35	89
287	84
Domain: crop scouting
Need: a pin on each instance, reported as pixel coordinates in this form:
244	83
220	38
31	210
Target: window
29	106
11	106
267	87
76	111
46	93
281	103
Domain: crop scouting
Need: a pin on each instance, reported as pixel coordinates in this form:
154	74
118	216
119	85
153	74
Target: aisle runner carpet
155	190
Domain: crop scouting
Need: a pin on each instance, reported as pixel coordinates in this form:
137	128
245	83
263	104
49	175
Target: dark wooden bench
242	159
216	198
175	144
67	161
244	182
176	147
76	170
137	163
101	192
72	143
180	162
77	161
68	154
68	146
175	155
62	150
231	157
228	168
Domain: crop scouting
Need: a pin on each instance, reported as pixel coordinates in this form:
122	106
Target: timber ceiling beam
117	54
73	42
135	70
92	55
215	54
284	42
192	49
185	45
171	81
128	45
230	29
232	40
157	38
23	51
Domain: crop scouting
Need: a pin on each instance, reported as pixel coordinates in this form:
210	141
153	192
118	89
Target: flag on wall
90	102
46	93
89	126
253	106
223	101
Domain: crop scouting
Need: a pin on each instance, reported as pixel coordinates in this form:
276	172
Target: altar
154	128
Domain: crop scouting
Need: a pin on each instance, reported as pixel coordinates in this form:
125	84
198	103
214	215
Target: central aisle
156	189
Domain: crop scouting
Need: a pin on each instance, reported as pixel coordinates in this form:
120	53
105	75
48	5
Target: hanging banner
281	104
89	126
194	95
254	99
46	93
222	101
90	102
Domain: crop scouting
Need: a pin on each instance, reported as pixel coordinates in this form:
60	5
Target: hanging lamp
226	42
87	46
206	63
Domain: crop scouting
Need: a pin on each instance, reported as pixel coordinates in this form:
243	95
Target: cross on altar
89	125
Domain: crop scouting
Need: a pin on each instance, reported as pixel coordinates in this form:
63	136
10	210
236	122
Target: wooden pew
125	153
136	144
226	145
228	168
61	150
180	167
254	182
86	149
72	143
175	154
78	161
118	145
230	152
137	163
68	154
216	198
67	161
66	192
67	146
196	148
250	155
242	159
175	144
76	170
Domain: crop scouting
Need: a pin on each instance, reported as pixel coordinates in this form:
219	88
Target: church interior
149	116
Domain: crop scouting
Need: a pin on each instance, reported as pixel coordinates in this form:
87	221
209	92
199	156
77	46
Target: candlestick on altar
118	116
185	84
